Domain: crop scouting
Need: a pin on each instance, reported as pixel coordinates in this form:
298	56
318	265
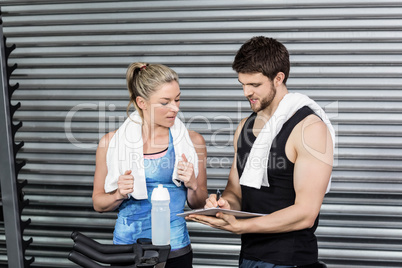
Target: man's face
258	89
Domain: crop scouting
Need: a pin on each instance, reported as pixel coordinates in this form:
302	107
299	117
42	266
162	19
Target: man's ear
278	80
141	103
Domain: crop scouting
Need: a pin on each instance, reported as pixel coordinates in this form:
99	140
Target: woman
125	180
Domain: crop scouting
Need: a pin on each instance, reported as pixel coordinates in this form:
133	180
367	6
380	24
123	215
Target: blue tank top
134	217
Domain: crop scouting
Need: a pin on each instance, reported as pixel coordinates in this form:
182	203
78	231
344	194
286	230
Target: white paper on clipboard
213	211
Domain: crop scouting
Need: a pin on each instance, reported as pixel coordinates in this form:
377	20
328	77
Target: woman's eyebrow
165	98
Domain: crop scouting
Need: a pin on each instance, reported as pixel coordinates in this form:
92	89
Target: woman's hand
125	185
185	171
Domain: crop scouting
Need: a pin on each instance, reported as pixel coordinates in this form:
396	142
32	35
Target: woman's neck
155	138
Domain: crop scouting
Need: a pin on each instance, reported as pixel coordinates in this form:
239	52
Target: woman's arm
196	187
103	201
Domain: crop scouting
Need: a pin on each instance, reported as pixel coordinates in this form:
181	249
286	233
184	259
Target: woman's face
163	105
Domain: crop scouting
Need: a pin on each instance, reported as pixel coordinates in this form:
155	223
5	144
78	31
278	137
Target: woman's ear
141	103
278	80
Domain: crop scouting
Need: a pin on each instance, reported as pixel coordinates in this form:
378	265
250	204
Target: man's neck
270	110
263	116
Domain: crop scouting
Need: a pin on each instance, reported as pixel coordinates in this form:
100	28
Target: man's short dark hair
263	55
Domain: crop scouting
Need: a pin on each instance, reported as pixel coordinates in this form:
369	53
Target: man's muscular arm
311	146
231	197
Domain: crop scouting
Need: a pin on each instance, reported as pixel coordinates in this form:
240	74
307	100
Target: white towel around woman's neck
255	171
125	152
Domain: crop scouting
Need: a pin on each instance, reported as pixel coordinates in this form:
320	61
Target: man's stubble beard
266	102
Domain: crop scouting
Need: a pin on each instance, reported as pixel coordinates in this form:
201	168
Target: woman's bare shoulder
196	138
105	140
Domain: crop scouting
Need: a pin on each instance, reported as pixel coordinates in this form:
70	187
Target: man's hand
221	221
211	202
185	171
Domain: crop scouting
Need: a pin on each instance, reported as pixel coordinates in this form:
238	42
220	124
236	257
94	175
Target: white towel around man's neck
125	152
255	171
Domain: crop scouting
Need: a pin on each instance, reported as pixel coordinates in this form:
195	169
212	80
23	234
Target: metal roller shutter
72	57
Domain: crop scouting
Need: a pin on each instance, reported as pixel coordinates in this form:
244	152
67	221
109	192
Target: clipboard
213	211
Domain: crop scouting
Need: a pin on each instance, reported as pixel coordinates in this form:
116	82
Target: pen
218	196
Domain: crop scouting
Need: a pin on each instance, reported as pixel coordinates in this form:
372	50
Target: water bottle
160	216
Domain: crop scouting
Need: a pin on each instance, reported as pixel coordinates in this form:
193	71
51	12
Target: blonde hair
143	79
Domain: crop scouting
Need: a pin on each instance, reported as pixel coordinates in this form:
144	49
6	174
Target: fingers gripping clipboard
213	211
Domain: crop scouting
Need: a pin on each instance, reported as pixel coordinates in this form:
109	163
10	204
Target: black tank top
292	248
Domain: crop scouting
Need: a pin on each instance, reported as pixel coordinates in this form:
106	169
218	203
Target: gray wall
72	57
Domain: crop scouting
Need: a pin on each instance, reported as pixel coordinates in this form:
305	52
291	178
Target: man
282	164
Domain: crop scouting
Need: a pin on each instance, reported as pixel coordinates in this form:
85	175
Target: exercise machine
90	254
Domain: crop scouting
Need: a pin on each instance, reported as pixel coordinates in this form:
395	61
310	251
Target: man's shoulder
241	124
313	137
